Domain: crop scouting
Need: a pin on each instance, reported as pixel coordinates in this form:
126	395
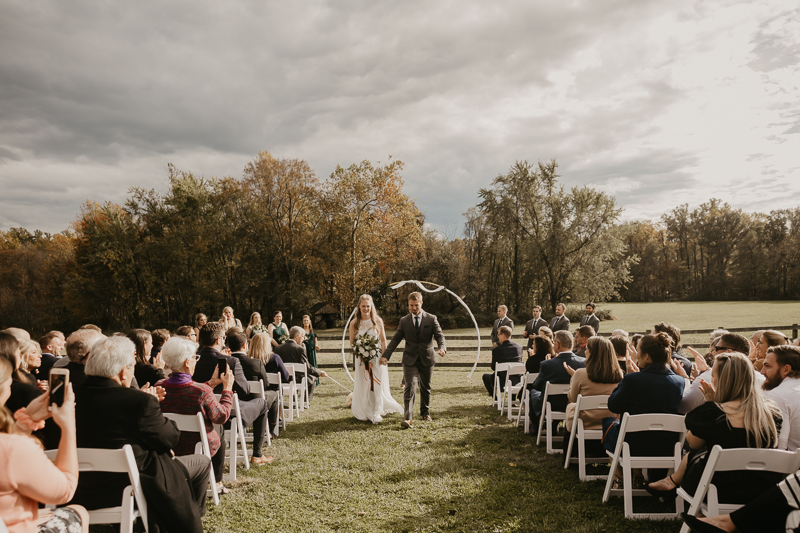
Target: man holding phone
212	364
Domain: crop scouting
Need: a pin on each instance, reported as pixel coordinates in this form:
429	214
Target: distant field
639	318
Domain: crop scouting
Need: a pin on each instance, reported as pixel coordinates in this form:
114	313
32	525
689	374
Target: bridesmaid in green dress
310	342
277	329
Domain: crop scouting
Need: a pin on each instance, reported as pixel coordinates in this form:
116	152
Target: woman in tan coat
601	375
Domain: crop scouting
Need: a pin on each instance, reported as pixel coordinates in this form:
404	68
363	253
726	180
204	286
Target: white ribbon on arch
422	288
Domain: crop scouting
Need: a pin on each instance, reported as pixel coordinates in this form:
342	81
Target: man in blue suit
553	371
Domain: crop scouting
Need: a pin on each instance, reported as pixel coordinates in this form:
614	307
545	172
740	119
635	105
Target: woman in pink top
27	476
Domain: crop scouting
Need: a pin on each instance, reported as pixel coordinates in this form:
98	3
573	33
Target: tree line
279	237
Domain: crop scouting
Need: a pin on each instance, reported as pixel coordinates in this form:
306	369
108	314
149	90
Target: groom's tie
416	323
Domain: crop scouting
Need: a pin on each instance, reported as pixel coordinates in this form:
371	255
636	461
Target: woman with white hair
187	397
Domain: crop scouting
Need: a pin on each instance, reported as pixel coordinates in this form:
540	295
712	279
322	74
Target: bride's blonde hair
373	314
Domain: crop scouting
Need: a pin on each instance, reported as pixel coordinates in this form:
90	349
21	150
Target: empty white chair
581	434
622	457
719	460
510	390
196	424
549	415
123	461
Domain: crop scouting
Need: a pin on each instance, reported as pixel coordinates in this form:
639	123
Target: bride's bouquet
367	349
259	328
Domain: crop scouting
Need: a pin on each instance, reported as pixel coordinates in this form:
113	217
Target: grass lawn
468	470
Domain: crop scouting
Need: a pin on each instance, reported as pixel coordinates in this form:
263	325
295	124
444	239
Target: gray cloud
94	99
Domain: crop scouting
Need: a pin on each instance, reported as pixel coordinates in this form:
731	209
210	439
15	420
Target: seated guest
148	370
23	388
582	336
675	334
187	332
30	361
767	340
599	377
620	344
187	397
773	511
542	350
649	387
27	476
293	351
253	367
109	415
254	412
504	352
620	332
781	370
735	415
51	346
553	371
726	343
261	349
159	336
18	333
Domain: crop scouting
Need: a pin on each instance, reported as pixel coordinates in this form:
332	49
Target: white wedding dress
374	404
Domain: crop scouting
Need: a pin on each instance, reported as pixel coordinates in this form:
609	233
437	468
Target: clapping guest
278	330
261	350
228	320
649	387
310	342
109	414
542	350
255	320
767	340
148	370
200	320
735	415
693	395
27	476
187	397
781	371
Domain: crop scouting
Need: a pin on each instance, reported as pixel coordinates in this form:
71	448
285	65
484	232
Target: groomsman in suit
502	320
553	371
590	319
560	322
533	325
505	352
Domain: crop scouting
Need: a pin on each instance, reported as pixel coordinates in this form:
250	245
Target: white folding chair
581	434
235	439
524	406
509	390
301	384
705	498
622	457
498	367
119	461
196	424
549	415
274	378
257	387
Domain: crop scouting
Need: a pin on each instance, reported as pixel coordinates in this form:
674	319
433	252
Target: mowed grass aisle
468	470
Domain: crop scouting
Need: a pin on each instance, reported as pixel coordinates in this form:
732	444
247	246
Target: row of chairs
705	499
133	504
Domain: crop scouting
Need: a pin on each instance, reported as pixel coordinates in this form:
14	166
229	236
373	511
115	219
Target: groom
419	329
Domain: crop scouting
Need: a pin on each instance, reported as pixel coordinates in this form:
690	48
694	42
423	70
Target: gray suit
291	352
559	323
532	328
500	322
591	320
419	357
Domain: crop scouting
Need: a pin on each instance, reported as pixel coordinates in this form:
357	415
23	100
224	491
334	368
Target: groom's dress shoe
406	424
427	418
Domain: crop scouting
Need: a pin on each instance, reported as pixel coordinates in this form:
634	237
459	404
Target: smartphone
59	377
222	366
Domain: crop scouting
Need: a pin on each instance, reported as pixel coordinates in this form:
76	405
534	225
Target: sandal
222	489
665	494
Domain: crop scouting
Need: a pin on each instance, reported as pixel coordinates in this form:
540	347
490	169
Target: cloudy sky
657	102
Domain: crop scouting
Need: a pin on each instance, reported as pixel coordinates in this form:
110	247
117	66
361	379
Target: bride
371	397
